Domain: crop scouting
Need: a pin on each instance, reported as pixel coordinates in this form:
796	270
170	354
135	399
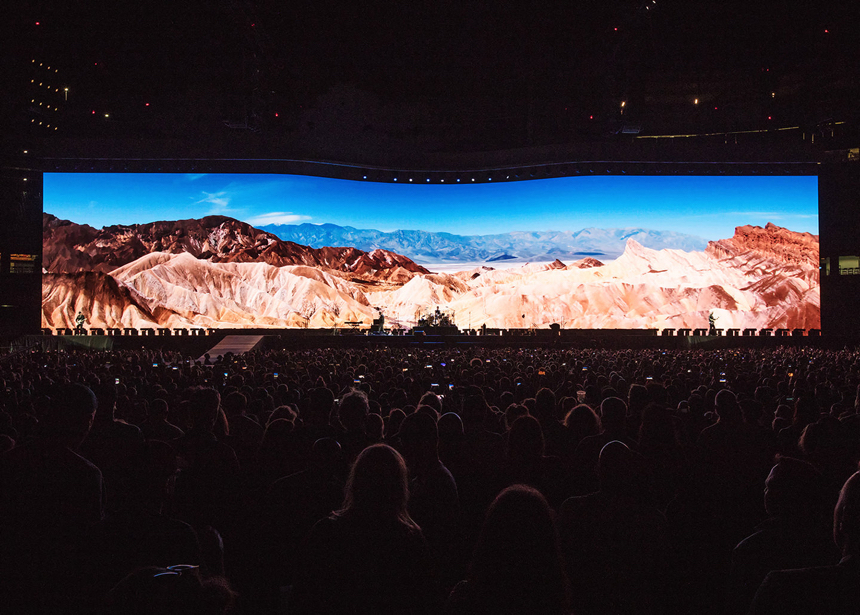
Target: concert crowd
446	480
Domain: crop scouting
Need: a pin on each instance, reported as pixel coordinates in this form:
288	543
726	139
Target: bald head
616	466
846	517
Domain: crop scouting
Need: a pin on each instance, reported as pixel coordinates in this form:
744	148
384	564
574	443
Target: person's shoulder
459	600
16	454
329	525
118	429
799	590
575	505
710	434
754	542
441	473
802	579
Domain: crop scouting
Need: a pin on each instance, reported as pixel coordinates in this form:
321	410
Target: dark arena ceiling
382	81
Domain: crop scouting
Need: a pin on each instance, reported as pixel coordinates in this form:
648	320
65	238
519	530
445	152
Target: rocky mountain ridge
760	277
70	248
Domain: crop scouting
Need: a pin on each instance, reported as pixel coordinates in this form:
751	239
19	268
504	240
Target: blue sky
706	206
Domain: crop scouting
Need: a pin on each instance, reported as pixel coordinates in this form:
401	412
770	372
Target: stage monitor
298	251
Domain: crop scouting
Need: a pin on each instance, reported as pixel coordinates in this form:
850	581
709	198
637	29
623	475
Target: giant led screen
292	251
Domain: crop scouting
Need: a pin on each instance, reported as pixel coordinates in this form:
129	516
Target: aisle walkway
237	344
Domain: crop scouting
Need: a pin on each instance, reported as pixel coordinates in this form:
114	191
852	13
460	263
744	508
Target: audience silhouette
369	556
259	483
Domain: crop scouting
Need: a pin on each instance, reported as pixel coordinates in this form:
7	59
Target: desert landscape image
322	253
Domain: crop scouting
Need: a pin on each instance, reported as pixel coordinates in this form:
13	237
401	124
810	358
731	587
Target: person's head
326	453
474	412
517	560
234	404
450	427
581	422
793	489
613	414
752	411
429	411
617	467
70	413
513	412
846	517
375	427
419	439
106	395
204	408
727	408
158	410
431	399
353	411
525	440
174	590
544	409
6	443
395	418
821	440
657	428
283	412
637	398
805	411
320	403
378	486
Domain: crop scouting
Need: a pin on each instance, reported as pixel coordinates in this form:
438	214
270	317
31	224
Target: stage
200	341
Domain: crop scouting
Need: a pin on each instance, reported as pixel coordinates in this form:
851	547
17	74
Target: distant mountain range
220	272
427	248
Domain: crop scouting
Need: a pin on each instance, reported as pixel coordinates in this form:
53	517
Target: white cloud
219	201
194	176
277	217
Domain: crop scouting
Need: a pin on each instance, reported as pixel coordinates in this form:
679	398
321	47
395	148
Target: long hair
517	562
378	486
